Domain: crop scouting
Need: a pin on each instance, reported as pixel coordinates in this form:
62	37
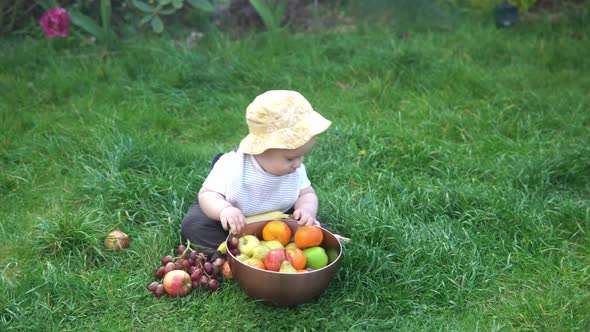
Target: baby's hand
232	218
305	218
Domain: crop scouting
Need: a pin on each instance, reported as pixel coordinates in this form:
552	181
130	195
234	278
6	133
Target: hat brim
310	125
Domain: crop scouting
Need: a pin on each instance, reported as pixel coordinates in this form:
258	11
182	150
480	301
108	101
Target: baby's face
284	161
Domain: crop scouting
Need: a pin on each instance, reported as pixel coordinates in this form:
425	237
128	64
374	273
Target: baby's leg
204	233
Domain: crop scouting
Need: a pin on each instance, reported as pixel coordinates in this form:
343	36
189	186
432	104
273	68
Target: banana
273	215
222	248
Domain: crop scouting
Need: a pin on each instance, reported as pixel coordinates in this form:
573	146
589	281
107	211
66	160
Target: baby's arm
306	207
216	207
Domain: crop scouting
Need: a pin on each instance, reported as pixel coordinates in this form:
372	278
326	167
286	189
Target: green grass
458	162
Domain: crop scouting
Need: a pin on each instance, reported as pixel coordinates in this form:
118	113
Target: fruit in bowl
274	259
277	230
247	243
299	281
315	257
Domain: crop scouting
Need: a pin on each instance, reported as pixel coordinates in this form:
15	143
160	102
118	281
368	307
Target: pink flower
55	22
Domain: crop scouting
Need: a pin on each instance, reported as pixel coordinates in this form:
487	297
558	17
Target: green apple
247	243
315	257
332	254
274	244
260	251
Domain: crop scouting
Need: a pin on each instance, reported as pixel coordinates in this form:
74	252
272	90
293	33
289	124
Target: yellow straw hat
280	119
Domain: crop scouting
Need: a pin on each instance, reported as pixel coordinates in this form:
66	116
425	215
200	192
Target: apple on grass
177	283
226	271
247	243
116	240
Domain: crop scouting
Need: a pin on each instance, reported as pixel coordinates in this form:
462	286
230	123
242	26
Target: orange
297	258
277	230
308	236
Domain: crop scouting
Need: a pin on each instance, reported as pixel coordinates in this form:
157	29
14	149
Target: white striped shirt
247	186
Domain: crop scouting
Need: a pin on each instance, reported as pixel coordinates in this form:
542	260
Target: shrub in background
153	11
9	13
246	15
102	31
271	12
106	20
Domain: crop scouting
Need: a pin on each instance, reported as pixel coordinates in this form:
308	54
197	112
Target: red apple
275	258
177	283
116	240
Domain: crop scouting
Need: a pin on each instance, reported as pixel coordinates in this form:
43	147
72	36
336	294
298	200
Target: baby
265	173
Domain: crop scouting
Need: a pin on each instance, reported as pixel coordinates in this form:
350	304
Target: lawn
458	163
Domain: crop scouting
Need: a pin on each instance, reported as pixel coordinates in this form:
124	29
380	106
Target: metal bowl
283	289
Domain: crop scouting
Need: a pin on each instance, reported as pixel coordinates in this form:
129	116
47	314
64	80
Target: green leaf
105	13
145	19
177	4
280	11
354	145
46	4
201	4
265	13
167	11
87	24
157	24
164	2
144	7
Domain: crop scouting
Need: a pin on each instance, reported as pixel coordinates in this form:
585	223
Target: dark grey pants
204	233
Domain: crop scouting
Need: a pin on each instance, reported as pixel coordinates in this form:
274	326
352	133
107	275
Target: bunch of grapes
202	273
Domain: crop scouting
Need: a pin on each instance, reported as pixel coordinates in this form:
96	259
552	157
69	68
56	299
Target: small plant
103	32
70	233
271	12
166	7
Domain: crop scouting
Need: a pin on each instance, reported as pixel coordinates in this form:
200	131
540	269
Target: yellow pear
286	267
